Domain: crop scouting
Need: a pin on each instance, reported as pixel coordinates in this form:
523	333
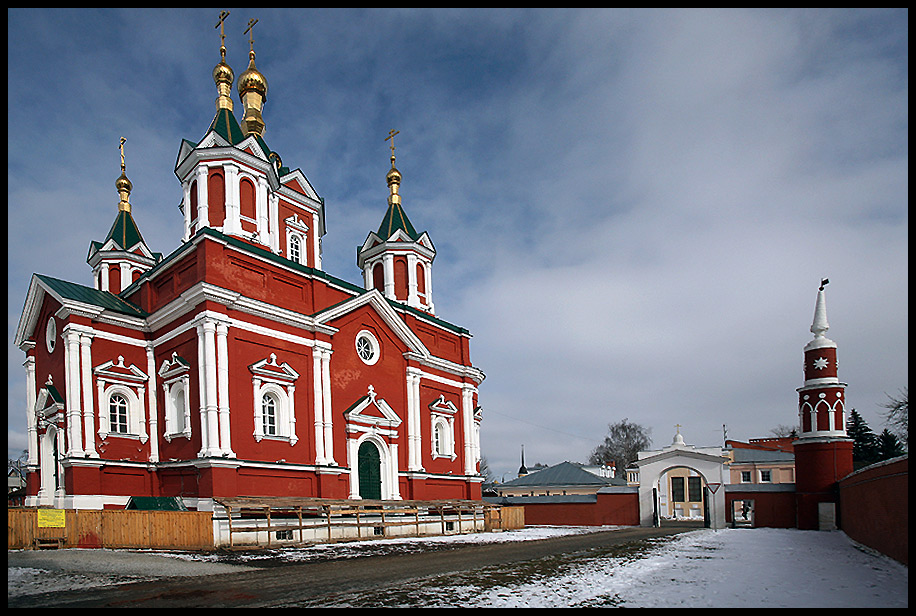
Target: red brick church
235	365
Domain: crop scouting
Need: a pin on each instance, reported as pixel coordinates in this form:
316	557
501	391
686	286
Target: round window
51	334
367	347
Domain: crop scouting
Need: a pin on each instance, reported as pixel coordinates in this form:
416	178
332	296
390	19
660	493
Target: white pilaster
31	419
222	359
388	263
203	207
72	385
326	404
88	411
318	391
233	223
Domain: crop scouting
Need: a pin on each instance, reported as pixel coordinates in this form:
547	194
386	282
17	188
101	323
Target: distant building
563	479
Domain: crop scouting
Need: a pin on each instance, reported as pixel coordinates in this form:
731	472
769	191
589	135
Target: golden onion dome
252	79
222	73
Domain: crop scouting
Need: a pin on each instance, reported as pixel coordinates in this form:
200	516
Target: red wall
608	510
874	507
771	509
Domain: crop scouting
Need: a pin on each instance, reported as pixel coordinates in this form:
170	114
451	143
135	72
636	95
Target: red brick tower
823	451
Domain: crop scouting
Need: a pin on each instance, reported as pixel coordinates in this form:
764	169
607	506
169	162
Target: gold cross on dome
222	18
121	147
250	32
390	136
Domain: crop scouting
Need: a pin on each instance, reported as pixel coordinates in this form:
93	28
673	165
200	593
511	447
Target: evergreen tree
889	445
864	441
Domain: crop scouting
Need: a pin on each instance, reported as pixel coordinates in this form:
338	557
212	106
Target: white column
412	298
72	385
388	262
291	415
273	224
353	460
222	359
103	283
319	406
316	242
233	223
202	393
209	340
467	415
153	406
414	434
429	285
88	411
261	197
188	214
31	420
393	472
326	404
203	208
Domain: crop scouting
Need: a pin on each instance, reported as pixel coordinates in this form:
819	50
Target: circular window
367	347
51	334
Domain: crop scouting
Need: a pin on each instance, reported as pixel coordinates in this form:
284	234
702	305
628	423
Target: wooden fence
29	528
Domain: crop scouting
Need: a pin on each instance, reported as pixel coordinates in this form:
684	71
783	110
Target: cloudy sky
632	210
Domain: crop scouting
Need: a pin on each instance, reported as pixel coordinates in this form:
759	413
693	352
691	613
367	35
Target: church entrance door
369	467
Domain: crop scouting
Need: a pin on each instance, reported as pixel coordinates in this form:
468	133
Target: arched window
269	415
439	440
117	414
295	249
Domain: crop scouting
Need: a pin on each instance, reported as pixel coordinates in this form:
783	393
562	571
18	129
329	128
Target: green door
370	472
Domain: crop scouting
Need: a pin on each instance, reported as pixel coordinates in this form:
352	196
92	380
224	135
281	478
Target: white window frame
442	417
176	383
279	382
114	377
296	229
366	339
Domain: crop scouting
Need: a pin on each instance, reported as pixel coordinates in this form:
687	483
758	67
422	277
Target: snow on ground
736	568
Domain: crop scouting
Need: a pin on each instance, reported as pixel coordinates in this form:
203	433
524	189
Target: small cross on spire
390	137
250	32
121	147
222	34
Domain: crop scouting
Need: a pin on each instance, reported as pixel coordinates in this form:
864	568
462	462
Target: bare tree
623	442
896	416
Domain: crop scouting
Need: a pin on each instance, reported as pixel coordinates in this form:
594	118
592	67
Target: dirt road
333	580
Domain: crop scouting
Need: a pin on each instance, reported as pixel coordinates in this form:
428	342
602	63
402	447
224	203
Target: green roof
156	503
562	474
225	124
124	231
89	295
395	218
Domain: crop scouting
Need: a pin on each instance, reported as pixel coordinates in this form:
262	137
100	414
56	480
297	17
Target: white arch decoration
708	462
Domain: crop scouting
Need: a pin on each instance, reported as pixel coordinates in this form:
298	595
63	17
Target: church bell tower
823	451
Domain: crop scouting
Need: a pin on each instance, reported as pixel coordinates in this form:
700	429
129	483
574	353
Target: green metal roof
89	295
124	231
562	474
395	218
156	503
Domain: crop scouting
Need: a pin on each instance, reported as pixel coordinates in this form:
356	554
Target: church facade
235	365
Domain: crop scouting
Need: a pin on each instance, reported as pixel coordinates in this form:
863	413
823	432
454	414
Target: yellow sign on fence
52	518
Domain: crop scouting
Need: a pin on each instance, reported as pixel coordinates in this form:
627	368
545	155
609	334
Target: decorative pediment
269	369
49	404
174	367
372	411
384	310
294	222
117	371
443	406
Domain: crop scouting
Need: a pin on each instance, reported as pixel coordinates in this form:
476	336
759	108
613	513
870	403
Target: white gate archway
708	462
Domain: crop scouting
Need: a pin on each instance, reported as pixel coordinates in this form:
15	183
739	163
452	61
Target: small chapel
234	364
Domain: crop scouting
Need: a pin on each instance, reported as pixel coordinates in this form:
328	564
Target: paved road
297	584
